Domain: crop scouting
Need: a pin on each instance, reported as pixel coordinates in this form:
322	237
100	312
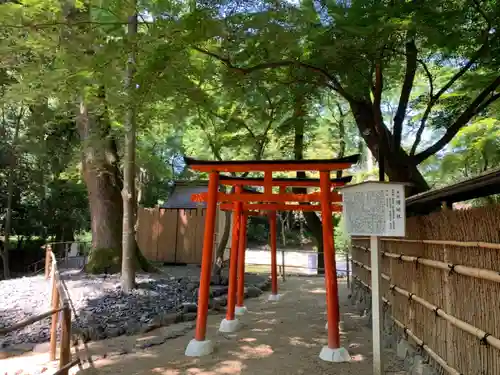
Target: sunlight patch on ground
321	340
299	341
357	358
268	321
266	312
248	339
249	352
262	329
163	371
318	291
229	367
146	338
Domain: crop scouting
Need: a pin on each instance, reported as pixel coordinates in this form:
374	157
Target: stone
219	280
217	291
188	307
403	349
114	331
222	300
189	317
156	321
265	285
252	291
422	369
168	318
102	308
190	287
179	317
132	327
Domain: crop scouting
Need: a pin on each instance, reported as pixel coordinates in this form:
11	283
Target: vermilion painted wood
233	258
330	266
271	167
240	298
254	208
206	260
291	183
274	263
334	197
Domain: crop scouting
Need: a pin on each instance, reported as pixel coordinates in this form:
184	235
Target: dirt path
277	338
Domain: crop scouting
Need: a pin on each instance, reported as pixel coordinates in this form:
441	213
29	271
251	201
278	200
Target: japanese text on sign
374	209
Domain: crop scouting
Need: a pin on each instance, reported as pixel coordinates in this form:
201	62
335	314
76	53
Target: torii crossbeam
267	201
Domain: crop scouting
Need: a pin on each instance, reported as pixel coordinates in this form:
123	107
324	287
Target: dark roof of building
480	186
180	198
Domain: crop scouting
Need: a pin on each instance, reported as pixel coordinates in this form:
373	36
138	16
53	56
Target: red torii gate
259	209
199	345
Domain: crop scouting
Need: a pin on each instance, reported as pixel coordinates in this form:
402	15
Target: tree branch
490	100
462	120
435	98
411	69
418	136
331	80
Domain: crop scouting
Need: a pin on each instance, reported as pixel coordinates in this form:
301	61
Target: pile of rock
104	311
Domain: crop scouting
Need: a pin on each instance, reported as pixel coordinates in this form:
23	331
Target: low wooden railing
59	305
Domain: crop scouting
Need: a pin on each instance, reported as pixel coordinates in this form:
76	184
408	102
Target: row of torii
242	203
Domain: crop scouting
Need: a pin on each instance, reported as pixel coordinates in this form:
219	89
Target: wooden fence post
48	261
448	304
55	317
65	349
348	269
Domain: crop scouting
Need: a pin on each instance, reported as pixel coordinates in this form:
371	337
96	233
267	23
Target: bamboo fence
443	285
59	306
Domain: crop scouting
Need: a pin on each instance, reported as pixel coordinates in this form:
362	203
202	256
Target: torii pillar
200	346
332	352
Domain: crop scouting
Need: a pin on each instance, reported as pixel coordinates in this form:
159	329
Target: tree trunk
221	247
312	220
128	192
10	195
399	166
102	178
342	142
100	161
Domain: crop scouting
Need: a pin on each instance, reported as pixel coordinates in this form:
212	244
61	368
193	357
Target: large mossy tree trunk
102	177
101	173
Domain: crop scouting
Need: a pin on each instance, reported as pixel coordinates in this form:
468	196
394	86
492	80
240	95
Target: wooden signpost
375	209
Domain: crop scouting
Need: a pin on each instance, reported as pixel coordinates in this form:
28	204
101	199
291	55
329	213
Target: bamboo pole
418	341
385	300
29	321
485	245
448	305
65	348
450	370
474	331
55	317
478	273
64	370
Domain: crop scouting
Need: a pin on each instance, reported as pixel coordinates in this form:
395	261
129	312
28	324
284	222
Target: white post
378	365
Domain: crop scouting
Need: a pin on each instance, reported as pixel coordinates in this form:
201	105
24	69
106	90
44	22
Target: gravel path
277	338
101	306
